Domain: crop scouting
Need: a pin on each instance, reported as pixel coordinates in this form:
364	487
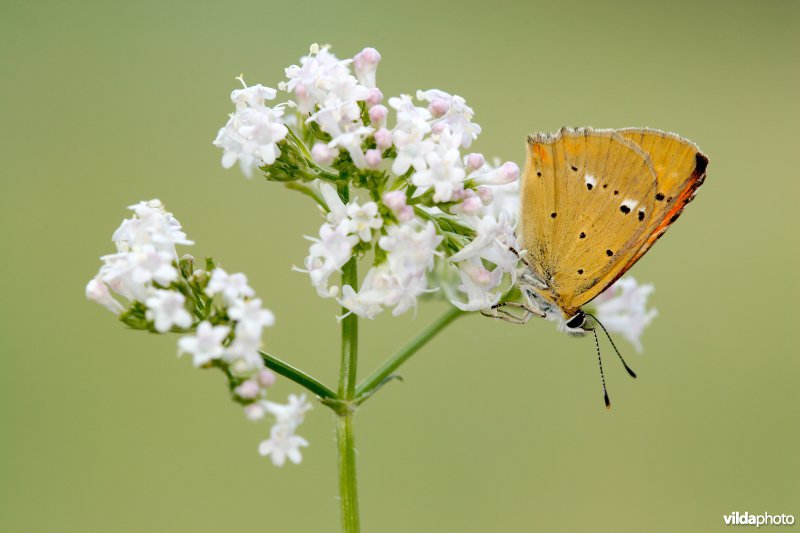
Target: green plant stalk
377	378
348	493
298	376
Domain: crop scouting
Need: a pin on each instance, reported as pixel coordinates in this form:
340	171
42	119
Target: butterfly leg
519	254
497	311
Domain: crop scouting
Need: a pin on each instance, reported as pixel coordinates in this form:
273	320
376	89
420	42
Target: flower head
622	308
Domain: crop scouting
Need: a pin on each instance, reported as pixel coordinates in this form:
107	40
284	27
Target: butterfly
593	202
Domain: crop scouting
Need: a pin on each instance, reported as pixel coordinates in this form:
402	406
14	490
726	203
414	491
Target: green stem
348	493
377	378
298	376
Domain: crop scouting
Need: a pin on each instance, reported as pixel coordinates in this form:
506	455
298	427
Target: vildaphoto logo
746	519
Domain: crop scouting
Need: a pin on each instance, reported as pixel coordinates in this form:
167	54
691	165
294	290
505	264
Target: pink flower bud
471	204
265	378
474	162
374	97
254	411
323	154
438	107
248	390
373	158
377	115
366	63
486	194
405	214
509	172
395	200
98	292
438	128
383	138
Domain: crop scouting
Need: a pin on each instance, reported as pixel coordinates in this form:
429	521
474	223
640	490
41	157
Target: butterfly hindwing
587	201
680	169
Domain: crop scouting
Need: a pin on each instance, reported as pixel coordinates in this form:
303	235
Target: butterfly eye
576	321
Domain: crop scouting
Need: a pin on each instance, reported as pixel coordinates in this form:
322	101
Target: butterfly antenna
631	372
602	375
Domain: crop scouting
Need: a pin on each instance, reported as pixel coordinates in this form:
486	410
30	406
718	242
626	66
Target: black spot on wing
625	209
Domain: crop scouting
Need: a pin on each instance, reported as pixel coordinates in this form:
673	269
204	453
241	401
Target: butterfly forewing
587	200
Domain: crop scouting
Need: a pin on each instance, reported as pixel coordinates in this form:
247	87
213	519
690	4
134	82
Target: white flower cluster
224	319
622	308
253	132
145	259
423	200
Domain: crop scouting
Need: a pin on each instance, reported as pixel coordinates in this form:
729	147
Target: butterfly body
592	203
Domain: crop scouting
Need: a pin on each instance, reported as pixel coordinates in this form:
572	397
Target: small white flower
452	111
351	140
479	284
252	96
150	225
502	199
292	413
253	132
249	314
319	75
150	265
444	174
368	302
410	118
233	287
412	150
337	212
492	242
328	254
282	444
411	247
364	219
243	353
167	309
622	308
98	292
206	345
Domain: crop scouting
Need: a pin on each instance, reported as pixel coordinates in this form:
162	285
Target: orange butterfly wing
582	253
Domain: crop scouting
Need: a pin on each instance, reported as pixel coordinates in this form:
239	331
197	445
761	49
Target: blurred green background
496	427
